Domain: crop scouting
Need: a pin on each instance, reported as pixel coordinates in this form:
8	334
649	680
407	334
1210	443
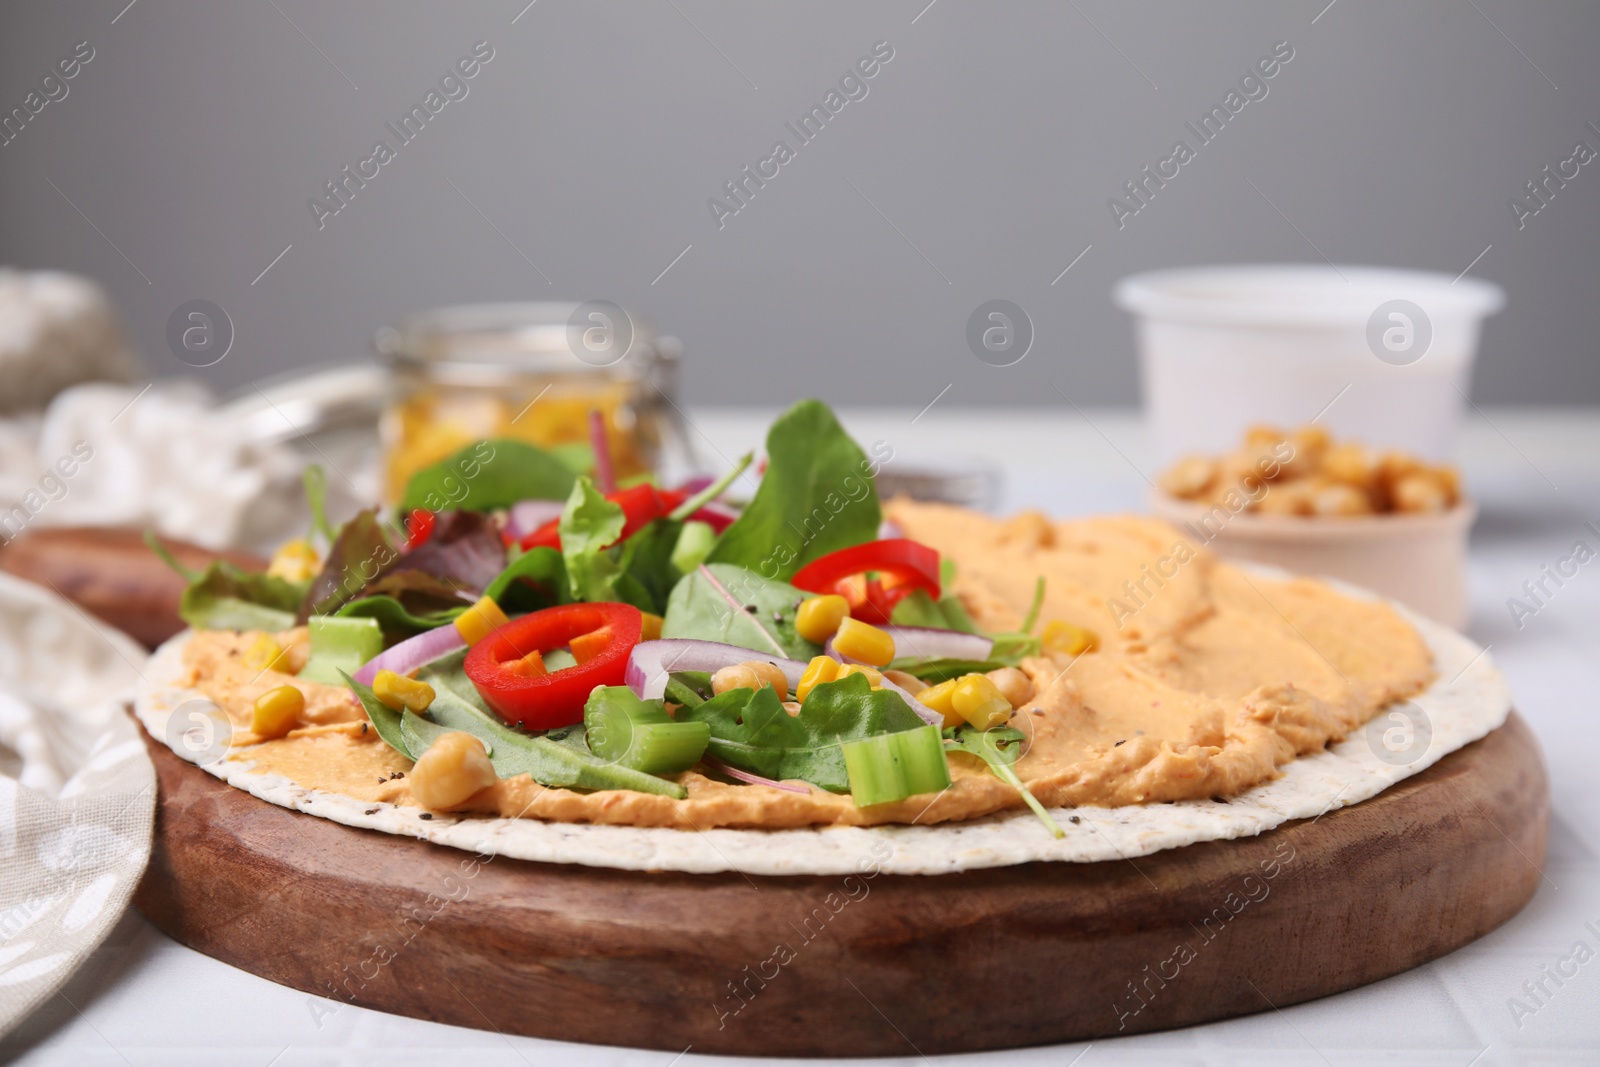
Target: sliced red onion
412	653
527	516
753	779
651	662
695	484
925	642
604	474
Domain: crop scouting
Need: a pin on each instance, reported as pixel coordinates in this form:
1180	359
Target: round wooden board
836	966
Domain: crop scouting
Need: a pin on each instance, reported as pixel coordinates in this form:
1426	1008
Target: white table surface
147	1000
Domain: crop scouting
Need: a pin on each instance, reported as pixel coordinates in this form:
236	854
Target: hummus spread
1206	680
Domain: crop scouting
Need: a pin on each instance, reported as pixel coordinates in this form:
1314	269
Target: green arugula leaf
1032	618
920	609
316	483
726	603
999	748
589	525
226	597
816	497
750	729
393	618
489	474
934	671
561	758
1010	649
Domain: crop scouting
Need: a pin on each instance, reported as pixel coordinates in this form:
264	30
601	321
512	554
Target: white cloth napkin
77	791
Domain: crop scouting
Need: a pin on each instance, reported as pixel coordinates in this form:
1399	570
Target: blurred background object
55	330
532	372
980	163
1383	356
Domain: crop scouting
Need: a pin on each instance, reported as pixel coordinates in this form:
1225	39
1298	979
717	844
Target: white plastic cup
1376	355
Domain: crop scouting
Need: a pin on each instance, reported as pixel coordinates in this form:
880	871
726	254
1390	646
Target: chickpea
909	682
453	769
1190	478
769	674
1337	498
1420	492
1015	686
751	674
1348	463
737	676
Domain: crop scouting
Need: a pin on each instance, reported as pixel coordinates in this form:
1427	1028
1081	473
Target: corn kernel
454	768
737	676
265	654
397	691
863	641
939	698
874	677
276	711
819	617
821	669
480	620
295	561
979	701
1068	639
651	628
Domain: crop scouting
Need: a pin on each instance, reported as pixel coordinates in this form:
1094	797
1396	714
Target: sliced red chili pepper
419	527
641	505
873	577
545	701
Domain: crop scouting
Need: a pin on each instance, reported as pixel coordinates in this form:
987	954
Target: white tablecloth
1536	474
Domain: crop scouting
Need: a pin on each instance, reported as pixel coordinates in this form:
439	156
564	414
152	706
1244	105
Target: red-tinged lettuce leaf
465	553
358	556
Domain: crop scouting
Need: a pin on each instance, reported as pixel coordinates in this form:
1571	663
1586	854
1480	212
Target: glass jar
533	372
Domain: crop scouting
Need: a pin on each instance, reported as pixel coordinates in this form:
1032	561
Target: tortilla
1467	699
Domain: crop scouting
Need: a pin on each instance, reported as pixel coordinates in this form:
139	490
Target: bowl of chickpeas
1382	519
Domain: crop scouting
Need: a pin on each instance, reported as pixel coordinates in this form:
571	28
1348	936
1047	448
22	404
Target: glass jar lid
488	344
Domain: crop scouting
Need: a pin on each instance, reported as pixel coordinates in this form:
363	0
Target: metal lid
476	344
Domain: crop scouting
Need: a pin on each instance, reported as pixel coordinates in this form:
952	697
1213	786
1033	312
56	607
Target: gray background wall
978	166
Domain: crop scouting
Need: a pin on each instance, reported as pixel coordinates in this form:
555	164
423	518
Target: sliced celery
636	733
889	767
694	545
340	643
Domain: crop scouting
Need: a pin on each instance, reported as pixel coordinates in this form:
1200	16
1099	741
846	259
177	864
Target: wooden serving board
834	966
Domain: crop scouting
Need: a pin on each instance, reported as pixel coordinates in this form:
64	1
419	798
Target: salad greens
226	597
816	497
589	525
489	474
751	730
727	603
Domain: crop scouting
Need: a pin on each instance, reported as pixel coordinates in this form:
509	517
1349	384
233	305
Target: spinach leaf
750	729
589	525
487	475
226	597
688	688
999	748
536	579
727	603
817	496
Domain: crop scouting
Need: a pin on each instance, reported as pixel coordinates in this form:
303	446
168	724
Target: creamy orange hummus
1206	681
